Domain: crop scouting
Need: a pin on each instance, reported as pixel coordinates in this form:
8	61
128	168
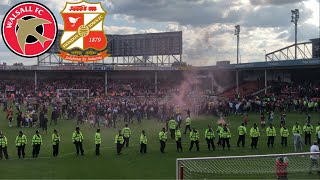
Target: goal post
295	165
78	93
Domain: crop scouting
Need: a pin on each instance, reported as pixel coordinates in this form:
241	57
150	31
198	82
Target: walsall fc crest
83	38
29	29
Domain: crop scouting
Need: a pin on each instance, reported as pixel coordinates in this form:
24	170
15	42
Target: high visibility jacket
317	130
77	137
21	140
219	128
119	139
188	121
194	136
304	103
55	139
295	129
97	138
3	141
36	139
310	105
242	130
284	132
143	139
254	132
308	129
209	134
225	134
178	134
126	132
172	124
316	104
271	131
163	136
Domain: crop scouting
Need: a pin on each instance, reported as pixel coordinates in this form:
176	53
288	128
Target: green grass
131	164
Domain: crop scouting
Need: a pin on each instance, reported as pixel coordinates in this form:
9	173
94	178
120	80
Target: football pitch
131	164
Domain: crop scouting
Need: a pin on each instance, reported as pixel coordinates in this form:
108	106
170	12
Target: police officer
163	139
194	137
55	143
188	124
143	142
242	130
209	134
284	133
318	132
97	139
271	134
178	139
21	141
119	140
255	134
77	139
225	136
3	146
296	128
36	144
172	127
126	135
308	128
219	129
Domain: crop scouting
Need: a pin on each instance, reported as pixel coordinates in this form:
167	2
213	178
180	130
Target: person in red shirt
281	168
246	119
10	116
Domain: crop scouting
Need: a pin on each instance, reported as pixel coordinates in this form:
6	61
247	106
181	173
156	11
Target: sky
207	25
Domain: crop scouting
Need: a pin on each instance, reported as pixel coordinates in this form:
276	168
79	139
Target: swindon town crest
83	38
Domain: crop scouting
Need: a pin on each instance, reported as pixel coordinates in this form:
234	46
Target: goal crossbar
187	166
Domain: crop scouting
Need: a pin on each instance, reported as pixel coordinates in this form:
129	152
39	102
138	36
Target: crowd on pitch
123	136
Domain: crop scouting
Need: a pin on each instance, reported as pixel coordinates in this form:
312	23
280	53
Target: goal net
295	165
73	93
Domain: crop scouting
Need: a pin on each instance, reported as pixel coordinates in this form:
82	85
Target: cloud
275	16
207	45
185	12
10	58
206	12
120	30
60	26
122	17
3	9
306	31
108	3
274	2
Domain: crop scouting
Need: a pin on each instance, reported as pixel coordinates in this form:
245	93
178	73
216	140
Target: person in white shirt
297	141
237	109
314	157
231	107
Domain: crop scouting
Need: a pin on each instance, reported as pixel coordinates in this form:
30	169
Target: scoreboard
149	44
